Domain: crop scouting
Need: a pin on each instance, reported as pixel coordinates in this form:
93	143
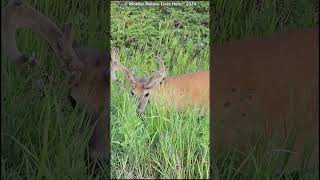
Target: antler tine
161	64
158	76
117	66
115	51
68	34
114	64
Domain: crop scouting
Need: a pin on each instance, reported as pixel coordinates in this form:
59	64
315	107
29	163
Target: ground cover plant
163	143
40	132
41	136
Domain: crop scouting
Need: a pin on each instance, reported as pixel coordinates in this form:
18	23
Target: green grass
251	18
232	20
41	135
163	143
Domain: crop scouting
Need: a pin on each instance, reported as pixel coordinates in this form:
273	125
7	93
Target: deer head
86	68
141	87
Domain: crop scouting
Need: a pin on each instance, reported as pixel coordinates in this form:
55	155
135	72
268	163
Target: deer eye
146	95
131	93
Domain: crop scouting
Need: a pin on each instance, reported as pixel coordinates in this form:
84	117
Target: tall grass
163	143
232	20
42	137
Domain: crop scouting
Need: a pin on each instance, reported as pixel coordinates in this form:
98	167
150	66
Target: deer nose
139	112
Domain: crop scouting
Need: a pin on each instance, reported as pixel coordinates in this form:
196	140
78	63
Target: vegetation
163	143
41	136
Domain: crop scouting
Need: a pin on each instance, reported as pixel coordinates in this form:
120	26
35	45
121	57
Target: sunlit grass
41	135
163	143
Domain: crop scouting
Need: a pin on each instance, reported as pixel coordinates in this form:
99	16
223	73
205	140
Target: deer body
179	92
185	90
268	85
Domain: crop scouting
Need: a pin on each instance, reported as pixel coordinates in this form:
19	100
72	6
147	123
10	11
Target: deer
270	85
86	69
267	85
179	92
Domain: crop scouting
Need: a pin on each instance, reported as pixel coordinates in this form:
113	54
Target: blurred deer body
179	92
268	85
86	68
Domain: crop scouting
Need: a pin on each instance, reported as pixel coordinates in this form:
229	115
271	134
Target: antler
162	69
158	76
92	90
154	79
18	14
116	66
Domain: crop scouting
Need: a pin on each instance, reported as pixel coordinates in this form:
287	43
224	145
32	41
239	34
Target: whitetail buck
86	68
268	85
189	90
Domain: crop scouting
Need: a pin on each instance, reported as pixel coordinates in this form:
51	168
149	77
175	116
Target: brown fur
186	90
268	85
